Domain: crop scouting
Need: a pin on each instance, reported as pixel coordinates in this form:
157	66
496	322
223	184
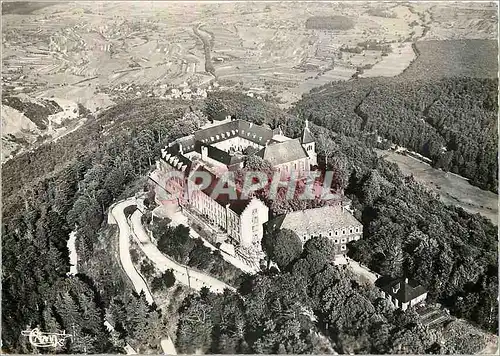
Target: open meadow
452	189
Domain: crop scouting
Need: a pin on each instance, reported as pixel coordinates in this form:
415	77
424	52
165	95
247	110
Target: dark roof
307	136
221	115
254	133
408	290
188	143
274	224
241	128
222	156
283	152
204	135
237	205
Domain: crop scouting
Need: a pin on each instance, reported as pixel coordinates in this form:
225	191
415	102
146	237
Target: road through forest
118	216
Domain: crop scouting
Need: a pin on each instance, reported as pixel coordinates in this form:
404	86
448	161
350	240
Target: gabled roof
178	161
307	136
188	144
402	289
317	220
241	128
283	152
237	205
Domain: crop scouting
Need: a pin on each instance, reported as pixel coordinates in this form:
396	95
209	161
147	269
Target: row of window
301	165
341	232
336	241
222	135
345	231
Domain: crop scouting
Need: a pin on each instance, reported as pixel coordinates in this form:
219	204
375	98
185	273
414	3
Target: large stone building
333	221
222	147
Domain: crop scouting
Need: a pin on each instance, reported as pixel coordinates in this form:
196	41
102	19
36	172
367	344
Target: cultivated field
453	189
100	53
124	49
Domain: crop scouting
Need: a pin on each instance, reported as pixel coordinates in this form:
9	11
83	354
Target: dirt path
73	257
362	271
124	242
205	38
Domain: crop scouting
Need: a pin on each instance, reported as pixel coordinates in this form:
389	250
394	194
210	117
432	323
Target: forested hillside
452	121
71	183
407	229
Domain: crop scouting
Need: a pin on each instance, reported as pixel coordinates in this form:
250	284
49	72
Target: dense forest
452	121
407	229
177	244
66	186
69	185
311	306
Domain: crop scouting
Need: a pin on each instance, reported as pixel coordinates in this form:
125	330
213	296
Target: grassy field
453	189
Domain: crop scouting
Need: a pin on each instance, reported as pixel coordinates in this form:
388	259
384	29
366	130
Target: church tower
307	141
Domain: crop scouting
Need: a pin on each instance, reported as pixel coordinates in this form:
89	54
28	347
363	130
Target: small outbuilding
402	292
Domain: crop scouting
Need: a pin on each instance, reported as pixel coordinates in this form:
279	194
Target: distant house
334	222
402	292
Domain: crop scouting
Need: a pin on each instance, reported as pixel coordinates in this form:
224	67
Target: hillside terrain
28	122
448	115
93	54
90	54
464	58
452	189
94	90
73	181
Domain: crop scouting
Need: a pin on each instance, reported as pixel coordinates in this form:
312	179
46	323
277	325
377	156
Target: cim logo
42	339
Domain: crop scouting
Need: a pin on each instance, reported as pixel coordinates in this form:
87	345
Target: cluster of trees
452	121
243	107
453	253
330	23
176	243
407	229
312	306
136	322
281	247
265	316
283	201
32	110
56	189
64	186
165	281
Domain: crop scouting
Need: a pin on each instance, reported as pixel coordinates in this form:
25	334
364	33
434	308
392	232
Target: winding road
185	275
117	216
